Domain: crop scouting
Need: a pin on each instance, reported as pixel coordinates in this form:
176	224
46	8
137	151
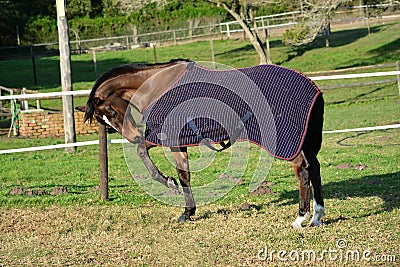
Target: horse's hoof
319	213
184	218
298	223
312	224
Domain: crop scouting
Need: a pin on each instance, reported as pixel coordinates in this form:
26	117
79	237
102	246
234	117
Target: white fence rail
116	141
77	144
45	95
356	75
264	22
87	92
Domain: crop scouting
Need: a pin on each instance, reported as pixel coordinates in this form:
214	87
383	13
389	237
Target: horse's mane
114	72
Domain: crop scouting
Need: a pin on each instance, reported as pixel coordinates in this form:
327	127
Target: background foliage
34	21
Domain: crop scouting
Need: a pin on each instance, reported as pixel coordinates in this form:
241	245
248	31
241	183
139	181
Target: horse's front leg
182	166
300	165
143	153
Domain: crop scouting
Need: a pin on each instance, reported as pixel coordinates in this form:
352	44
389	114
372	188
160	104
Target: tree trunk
269	61
253	37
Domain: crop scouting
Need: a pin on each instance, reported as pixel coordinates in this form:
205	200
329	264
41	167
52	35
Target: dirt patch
127	192
59	191
172	192
17	191
343	166
360	167
96	188
263	189
231	179
384	138
35	192
249	206
38	191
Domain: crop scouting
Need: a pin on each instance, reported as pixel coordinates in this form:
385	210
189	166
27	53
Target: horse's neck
156	81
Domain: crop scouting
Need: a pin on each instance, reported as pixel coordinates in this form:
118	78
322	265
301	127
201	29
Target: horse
140	85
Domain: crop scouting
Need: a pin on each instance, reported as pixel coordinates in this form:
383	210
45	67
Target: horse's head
115	112
110	98
109	101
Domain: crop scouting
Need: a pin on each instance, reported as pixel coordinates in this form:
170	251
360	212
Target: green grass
382	46
134	229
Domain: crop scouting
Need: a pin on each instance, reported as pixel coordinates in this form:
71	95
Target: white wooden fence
95	142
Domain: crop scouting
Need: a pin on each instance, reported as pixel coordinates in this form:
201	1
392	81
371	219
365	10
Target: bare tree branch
316	17
243	12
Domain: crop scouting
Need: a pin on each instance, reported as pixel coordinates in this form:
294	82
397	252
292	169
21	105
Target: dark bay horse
116	91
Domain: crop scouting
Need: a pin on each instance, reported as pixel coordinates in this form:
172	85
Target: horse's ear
81	108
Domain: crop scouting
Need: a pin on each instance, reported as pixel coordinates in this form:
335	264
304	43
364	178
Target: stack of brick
44	124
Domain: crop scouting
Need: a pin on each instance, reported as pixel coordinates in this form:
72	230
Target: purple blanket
267	105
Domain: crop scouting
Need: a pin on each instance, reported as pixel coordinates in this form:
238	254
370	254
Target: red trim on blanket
245	139
259	145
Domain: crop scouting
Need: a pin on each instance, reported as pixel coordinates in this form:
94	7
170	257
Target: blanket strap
236	133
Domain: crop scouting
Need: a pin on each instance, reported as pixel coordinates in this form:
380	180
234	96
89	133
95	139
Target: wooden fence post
212	47
24	103
65	69
154	52
103	158
398	75
95	64
33	66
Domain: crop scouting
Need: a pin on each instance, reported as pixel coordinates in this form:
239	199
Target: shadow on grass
386	53
384	186
48	72
246	48
387	49
336	39
345	140
366	96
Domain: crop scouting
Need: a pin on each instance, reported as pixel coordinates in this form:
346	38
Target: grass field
51	214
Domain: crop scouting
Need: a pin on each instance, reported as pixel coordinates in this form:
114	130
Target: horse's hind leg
311	170
307	169
182	166
315	178
300	165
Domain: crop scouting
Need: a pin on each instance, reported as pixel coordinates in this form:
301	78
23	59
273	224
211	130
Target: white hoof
319	212
298	223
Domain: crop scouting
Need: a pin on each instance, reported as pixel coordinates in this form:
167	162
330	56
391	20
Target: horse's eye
111	112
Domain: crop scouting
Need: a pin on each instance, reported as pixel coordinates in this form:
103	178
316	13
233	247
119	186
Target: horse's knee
141	151
300	166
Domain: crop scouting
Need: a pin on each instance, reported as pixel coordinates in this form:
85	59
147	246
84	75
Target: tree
14	14
315	18
243	11
79	8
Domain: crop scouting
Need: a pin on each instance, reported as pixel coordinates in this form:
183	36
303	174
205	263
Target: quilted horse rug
267	105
